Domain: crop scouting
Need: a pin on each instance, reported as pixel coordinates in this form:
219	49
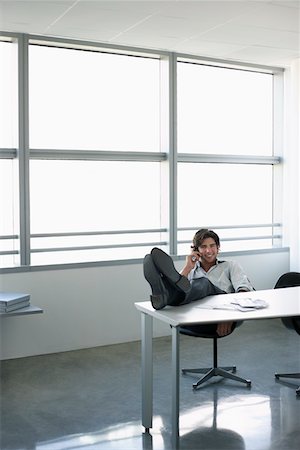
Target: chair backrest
290	279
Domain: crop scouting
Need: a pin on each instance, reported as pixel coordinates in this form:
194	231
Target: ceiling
261	31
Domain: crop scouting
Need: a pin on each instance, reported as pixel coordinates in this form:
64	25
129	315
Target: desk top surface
283	302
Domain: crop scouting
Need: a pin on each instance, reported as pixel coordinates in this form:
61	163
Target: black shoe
165	265
160	295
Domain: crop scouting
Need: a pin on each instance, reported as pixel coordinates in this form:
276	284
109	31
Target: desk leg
147	371
175	386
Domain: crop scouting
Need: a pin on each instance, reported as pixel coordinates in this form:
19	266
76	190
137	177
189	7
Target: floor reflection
239	422
232	423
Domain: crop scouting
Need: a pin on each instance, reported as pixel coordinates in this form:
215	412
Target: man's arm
239	279
240	283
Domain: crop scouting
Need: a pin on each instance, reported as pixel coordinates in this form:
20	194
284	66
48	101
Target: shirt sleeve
191	274
238	278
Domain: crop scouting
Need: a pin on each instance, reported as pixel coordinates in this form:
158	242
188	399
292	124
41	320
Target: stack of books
10	301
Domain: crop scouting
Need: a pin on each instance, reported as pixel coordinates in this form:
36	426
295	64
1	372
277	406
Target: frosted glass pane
90	255
6	197
89	100
224	194
80	196
9	214
8	95
233	238
224	111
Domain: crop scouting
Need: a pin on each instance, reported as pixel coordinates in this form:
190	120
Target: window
9	219
102	104
89	100
8	95
230	197
99	162
100	198
224	111
225	154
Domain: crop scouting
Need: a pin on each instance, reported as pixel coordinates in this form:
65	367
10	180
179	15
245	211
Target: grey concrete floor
91	399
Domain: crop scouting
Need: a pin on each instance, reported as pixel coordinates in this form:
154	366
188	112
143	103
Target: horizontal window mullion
8	153
9	252
96	247
230	227
96	155
150	230
97	233
244	238
76	44
227	159
217	62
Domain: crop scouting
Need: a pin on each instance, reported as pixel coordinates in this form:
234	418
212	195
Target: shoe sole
165	265
158	299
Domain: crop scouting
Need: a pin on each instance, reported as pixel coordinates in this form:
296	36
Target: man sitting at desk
202	275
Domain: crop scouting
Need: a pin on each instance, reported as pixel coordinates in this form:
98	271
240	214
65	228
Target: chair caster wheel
248	383
276	376
234	369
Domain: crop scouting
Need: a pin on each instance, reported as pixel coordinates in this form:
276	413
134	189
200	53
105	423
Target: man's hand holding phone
193	257
190	261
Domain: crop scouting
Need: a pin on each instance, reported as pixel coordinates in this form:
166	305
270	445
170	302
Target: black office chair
209	372
289	279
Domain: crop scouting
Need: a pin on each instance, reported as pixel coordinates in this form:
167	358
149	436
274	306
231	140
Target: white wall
90	307
291	167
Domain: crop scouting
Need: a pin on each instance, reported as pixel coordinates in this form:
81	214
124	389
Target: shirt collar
198	264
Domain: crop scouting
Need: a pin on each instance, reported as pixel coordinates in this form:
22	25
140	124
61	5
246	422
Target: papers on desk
239	304
249	304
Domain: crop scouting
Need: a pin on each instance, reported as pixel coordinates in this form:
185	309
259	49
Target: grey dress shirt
226	275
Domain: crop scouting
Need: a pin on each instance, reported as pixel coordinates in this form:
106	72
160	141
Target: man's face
208	250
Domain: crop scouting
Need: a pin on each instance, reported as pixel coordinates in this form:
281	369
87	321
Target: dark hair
202	234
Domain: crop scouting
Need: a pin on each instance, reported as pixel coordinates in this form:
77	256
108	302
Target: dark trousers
200	288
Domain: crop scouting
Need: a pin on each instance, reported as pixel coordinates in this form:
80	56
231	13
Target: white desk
282	303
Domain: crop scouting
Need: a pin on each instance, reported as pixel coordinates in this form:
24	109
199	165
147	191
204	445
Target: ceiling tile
264	55
167	43
31	16
274	17
253	35
287	3
207	48
96	18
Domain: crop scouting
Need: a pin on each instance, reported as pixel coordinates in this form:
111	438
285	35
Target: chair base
214	372
289	375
